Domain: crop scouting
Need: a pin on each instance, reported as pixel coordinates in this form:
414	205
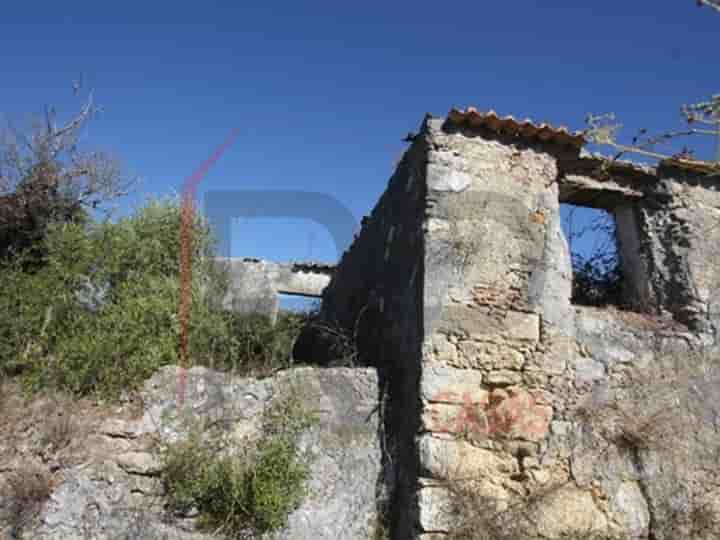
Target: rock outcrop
102	465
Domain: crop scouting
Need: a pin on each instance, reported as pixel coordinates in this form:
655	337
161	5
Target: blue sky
322	93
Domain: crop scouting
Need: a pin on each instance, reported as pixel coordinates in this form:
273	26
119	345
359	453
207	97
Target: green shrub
235	494
185	470
275	483
253	345
101	314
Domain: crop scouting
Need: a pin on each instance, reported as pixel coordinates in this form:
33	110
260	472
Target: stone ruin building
458	288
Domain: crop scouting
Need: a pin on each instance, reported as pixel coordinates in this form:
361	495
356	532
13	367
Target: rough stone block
439	349
488	355
630	503
535	379
435	509
568	513
522	326
447	459
117	427
482	323
560	428
503	377
510	413
451	385
445	179
587	369
139	463
559	351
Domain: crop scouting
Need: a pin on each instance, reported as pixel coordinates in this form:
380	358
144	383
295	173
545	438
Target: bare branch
603	130
714	4
74	124
50	154
705	112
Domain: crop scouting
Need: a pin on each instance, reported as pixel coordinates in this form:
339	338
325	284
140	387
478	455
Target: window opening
592	237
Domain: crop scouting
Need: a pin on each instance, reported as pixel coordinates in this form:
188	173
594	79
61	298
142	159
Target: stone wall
106	481
495	265
375	297
509	363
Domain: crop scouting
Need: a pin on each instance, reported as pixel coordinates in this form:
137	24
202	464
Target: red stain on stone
511	413
517	414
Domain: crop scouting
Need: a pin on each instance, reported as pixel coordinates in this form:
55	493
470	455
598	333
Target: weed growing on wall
242	494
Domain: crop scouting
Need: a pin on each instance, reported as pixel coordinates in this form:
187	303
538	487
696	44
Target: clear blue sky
323	92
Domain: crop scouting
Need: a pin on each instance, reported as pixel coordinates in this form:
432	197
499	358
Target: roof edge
525	129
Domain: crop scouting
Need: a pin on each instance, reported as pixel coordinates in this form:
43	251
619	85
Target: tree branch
714	4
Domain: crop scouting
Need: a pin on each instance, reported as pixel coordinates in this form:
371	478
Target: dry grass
28	489
658	407
663	417
477	516
57	425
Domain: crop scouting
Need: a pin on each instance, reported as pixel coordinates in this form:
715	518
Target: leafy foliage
596	284
597	273
234	493
259	347
101	314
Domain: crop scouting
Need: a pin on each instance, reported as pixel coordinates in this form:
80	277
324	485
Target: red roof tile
527	129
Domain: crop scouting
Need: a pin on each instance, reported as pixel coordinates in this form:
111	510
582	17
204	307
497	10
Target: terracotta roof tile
527	129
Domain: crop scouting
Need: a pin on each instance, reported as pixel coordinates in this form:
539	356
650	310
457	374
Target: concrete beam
255	284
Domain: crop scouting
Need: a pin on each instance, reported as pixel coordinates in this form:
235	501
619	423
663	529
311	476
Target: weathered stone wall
106	481
685	235
376	297
495	265
562	415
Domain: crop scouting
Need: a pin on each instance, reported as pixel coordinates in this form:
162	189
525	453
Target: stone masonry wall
685	235
561	415
376	297
491	263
